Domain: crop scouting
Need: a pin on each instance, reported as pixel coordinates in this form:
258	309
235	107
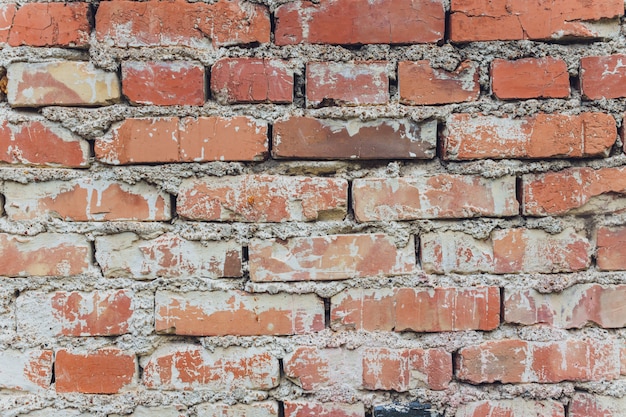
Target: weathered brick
360	22
105	371
575	307
86	199
432	197
257	409
220	313
42	143
312	368
251	80
416	309
29	370
163	83
517	407
420	84
172	23
487	20
63	412
63	313
48	24
166	411
333	257
518	361
302	408
262	198
170	139
603	76
455	252
574	191
126	255
535	251
586	405
310	138
54	254
188	367
529	78
611	254
343	83
469	136
7	14
65	83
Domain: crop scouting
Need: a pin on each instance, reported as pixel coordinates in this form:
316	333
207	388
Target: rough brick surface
601	76
420	84
237	313
439	196
163	83
310	138
26	371
482	20
541	136
513	408
258	409
105	371
584	405
251	80
263	198
317	409
360	22
65	83
329	258
611	255
530	78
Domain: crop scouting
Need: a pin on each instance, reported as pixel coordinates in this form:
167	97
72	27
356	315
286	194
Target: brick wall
342	208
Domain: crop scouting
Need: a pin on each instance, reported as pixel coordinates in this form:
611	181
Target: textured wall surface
340	208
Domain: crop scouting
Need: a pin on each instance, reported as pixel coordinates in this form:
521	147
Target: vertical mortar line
272	26
416	241
270	139
502	294
350	201
326	313
173	207
519	194
447	19
207	84
394	84
281	404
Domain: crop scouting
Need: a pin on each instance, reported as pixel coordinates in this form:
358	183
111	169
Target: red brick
360	22
86	199
333	257
535	251
517	407
257	409
586	405
29	370
313	368
42	143
163	83
7	14
106	371
62	313
437	196
575	307
469	136
49	24
170	139
179	23
603	76
529	78
310	138
487	20
422	85
302	408
188	367
611	254
518	361
126	255
343	83
220	313
251	80
405	369
416	309
574	191
455	252
65	83
46	254
262	198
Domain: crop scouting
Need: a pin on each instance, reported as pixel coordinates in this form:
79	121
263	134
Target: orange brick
172	23
585	405
469	136
262	198
220	313
420	84
360	22
30	370
517	407
106	371
301	408
529	78
432	197
490	20
256	409
7	14
86	199
251	80
455	252
611	255
603	76
188	367
329	258
163	83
